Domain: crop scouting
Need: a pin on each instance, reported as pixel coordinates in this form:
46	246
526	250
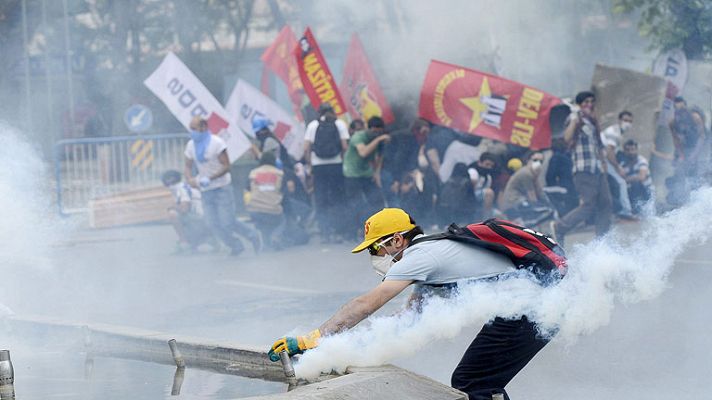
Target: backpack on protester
526	248
327	141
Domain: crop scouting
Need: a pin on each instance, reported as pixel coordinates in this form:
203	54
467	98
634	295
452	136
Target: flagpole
48	81
28	90
70	85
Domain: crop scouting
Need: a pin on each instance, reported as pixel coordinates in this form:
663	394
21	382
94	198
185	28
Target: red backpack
526	248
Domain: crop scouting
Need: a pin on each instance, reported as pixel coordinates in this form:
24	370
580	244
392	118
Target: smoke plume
616	269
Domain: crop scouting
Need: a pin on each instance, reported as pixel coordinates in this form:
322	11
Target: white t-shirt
612	136
458	152
212	163
443	261
310	134
184	193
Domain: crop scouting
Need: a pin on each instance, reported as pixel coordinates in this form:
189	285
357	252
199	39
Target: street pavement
128	276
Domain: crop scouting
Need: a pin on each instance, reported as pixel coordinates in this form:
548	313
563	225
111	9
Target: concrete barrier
384	382
234	359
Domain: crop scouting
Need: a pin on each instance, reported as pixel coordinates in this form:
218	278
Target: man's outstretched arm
362	306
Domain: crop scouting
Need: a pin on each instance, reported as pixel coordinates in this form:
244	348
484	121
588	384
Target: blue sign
138	118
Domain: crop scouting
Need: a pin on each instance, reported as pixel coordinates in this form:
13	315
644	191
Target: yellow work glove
294	345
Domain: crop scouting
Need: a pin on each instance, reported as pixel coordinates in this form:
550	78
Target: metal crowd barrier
90	168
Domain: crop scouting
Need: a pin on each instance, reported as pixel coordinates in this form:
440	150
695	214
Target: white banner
246	103
671	65
185	96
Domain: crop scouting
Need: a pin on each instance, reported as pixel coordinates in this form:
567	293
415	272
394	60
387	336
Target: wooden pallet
132	207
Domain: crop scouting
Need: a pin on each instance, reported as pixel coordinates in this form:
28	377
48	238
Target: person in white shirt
612	138
637	176
325	141
186	215
208	154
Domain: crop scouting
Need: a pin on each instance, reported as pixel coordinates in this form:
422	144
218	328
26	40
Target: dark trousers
329	197
595	199
639	195
364	199
271	226
390	196
495	356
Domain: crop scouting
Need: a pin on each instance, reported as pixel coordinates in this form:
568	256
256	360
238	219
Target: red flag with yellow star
486	105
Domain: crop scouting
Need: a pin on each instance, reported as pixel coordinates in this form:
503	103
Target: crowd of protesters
441	176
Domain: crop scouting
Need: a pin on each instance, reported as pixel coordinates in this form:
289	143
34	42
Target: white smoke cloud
25	212
550	45
617	269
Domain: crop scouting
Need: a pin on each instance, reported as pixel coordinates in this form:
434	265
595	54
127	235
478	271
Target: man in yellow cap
501	349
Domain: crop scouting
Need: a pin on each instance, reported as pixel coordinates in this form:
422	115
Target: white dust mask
381	264
536	165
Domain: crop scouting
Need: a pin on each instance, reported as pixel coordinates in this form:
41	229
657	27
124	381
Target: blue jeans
623	199
219	211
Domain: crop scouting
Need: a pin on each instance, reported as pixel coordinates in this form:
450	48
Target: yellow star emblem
477	106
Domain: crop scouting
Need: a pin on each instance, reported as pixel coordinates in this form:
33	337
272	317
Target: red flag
360	88
216	123
486	105
281	130
264	81
318	81
278	57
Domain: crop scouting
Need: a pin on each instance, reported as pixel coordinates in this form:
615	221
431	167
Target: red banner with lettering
279	59
318	81
486	105
364	98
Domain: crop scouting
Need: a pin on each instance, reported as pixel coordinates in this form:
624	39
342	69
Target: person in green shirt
362	171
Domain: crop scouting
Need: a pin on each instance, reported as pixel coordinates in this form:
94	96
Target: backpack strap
428	238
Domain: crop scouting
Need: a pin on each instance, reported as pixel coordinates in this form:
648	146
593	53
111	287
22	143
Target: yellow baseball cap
383	223
514	164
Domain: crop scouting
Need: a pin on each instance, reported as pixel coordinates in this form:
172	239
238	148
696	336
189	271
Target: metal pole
7	373
177	356
70	85
288	370
28	90
7	376
178	378
286	364
50	108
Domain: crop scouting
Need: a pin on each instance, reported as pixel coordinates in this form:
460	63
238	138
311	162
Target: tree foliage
124	32
115	43
669	24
